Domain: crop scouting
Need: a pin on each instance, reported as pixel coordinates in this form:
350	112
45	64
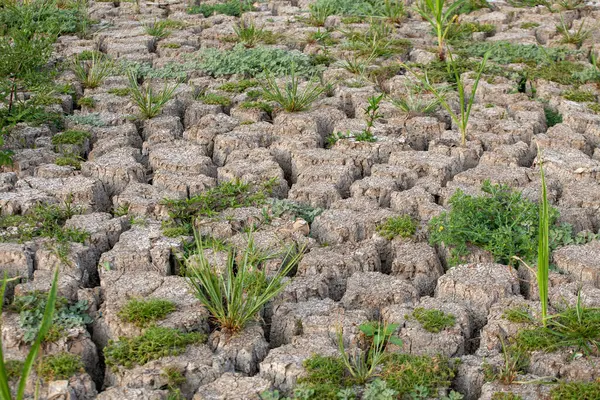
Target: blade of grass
543	245
4	389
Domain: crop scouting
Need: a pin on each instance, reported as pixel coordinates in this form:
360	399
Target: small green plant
247	33
143	312
461	119
394	11
238	86
506	396
319	11
86	102
377	41
576	391
357	64
403	372
280	207
92	119
576	36
404	226
215	99
149	103
174	377
158	29
292	98
518	314
232	297
69	161
59	366
571	4
378	390
433	321
529	25
70	137
91	72
27	366
552	117
543	256
156	342
440	16
372	112
580	96
413	103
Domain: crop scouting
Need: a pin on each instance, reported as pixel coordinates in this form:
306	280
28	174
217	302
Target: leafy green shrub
156	342
66	316
235	297
501	222
254	61
404	226
59	366
233	8
576	391
142	312
433	321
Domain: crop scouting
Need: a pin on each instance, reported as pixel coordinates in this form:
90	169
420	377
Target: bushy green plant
500	221
292	97
65	316
59	366
404	226
575	36
215	99
158	29
579	96
91	72
27	366
142	312
432	320
233	296
233	8
253	62
149	102
248	33
553	117
156	342
70	137
576	391
279	207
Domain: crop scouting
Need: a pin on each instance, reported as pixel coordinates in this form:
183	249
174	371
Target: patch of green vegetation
14	368
501	221
563	72
529	25
121	92
238	86
69	161
512	53
519	314
92	119
171	45
469	6
70	137
59	366
575	327
86	102
404	226
233	8
30	308
280	207
580	96
432	320
174	377
552	117
576	391
595	108
506	396
259	105
253	62
231	194
156	342
462	32
215	99
325	376
359	8
142	312
403	372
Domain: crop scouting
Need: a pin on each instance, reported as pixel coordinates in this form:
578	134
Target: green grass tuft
404	226
142	312
576	391
59	366
433	321
70	137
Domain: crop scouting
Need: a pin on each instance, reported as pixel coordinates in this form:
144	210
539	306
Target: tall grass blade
543	245
4	388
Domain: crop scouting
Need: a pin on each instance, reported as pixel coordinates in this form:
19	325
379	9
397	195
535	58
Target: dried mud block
104	230
16	260
525	392
120	393
244	137
142	199
181	157
232	386
161	129
581	262
241	351
372	291
416	202
479	286
317	195
116	169
417	263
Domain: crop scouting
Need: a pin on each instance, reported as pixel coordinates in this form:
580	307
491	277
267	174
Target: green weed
404	226
70	137
552	117
580	96
59	366
149	103
432	320
292	97
238	86
232	8
142	312
156	342
518	314
440	16
91	72
576	391
215	99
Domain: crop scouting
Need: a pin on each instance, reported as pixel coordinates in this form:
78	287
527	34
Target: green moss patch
143	312
433	321
404	226
59	366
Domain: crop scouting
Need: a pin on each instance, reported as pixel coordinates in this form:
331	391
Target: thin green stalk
543	246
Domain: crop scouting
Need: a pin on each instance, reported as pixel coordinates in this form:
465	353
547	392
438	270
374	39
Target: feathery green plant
91	71
5	393
440	20
149	103
236	295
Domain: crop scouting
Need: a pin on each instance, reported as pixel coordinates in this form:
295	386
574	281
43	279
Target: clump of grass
92	71
121	92
233	297
506	396
432	320
529	25
404	372
404	226
553	117
238	86
413	103
576	36
292	97
215	99
518	314
149	103
158	29
70	137
233	8
143	312
576	391
174	377
248	33
86	102
580	96
440	16
59	366
156	342
501	222
69	161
